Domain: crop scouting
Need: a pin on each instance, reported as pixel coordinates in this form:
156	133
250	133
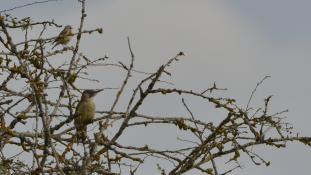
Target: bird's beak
96	91
99	90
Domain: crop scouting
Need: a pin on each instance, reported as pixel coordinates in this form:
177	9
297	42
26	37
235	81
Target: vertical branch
83	15
128	75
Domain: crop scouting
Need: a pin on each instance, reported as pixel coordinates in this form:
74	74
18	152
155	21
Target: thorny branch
36	116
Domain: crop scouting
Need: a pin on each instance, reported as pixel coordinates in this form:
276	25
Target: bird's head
89	93
68	27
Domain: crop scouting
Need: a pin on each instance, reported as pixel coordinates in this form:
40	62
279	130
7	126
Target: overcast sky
235	43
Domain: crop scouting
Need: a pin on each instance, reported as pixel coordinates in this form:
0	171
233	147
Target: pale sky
235	43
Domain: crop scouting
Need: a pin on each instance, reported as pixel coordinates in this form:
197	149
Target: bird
64	37
85	112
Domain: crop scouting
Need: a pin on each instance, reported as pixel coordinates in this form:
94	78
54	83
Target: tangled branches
39	96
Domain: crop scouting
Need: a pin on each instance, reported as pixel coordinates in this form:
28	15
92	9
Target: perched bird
64	36
84	113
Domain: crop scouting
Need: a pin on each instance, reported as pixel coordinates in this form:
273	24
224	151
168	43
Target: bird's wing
80	126
64	32
61	35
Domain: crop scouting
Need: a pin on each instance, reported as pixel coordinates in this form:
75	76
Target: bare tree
37	92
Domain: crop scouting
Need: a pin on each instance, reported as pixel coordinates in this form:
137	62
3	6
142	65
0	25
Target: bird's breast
87	110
